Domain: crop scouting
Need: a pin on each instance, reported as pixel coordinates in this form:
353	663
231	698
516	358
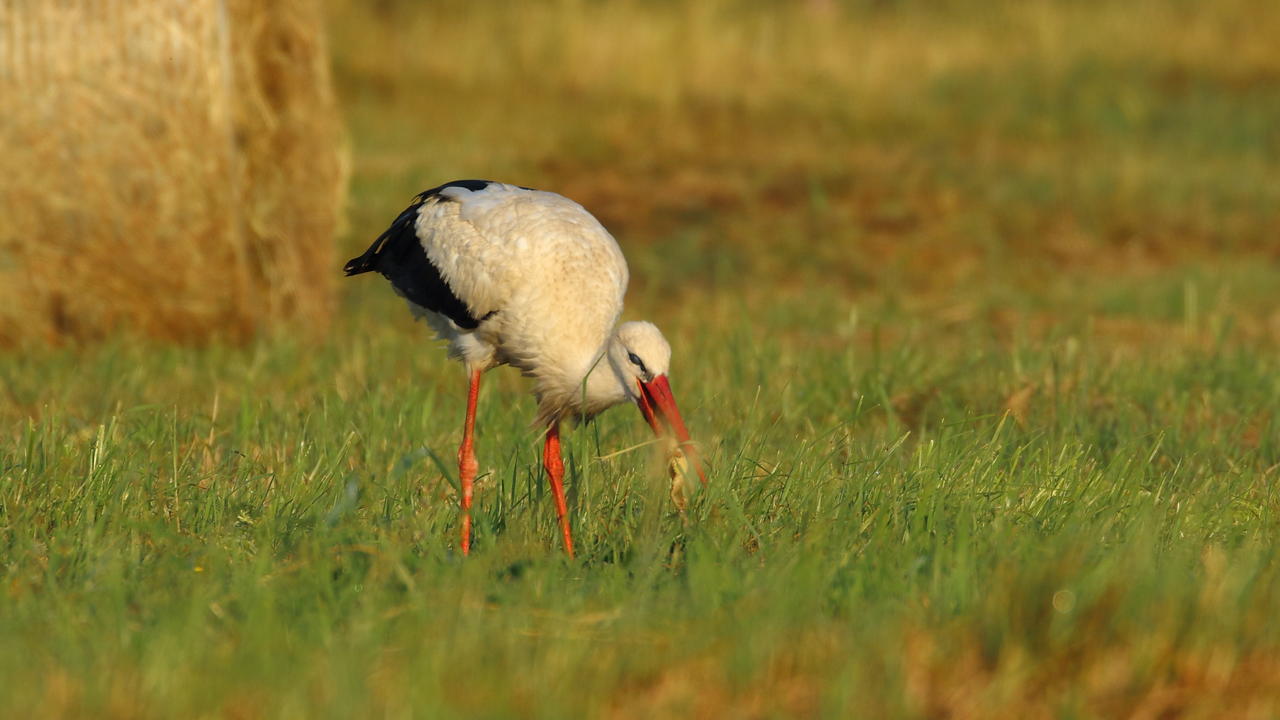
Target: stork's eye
635	360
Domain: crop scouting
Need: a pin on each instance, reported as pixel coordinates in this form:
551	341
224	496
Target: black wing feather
398	256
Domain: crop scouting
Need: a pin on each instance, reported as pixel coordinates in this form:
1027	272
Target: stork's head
641	357
640	353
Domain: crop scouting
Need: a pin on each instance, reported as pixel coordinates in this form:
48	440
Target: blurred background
197	171
974	309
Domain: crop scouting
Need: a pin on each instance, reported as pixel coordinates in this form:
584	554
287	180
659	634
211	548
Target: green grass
262	532
984	365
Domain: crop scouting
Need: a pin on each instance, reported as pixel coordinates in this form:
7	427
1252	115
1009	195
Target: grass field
974	311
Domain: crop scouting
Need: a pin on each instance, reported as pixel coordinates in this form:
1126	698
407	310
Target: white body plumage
546	281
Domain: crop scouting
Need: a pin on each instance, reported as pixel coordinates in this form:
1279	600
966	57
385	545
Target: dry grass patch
173	169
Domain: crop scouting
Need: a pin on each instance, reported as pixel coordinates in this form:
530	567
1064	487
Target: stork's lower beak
659	407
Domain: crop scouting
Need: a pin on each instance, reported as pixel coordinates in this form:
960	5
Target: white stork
511	275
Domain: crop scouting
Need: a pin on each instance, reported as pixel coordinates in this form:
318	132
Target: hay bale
171	167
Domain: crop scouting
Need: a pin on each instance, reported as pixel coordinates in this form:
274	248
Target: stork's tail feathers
363	264
403	226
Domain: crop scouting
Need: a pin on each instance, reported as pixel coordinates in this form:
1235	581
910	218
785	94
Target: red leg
555	471
467	465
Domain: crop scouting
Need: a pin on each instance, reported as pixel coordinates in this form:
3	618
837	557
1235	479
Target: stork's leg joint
468	466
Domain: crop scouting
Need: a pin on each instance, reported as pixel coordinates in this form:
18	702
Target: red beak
659	406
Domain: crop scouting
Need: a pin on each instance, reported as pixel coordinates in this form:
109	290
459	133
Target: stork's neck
605	385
